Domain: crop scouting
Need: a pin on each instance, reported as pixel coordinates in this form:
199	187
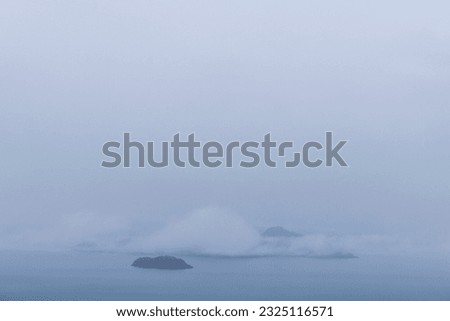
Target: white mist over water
206	231
220	232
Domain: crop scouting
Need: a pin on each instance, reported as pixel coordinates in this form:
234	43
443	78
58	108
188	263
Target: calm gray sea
105	276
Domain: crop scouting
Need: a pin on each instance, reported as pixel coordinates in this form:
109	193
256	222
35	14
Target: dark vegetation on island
278	231
162	263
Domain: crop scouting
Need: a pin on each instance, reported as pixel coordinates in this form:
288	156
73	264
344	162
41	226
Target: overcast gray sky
75	74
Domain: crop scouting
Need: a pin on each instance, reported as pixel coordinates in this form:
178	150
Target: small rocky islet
161	263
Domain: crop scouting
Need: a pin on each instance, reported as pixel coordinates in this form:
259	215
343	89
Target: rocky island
278	231
162	263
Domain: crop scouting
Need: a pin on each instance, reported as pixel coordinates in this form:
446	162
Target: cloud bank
208	231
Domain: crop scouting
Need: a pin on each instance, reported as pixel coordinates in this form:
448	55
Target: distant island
162	263
278	231
335	255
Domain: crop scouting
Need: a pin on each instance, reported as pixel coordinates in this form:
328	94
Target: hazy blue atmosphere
76	74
